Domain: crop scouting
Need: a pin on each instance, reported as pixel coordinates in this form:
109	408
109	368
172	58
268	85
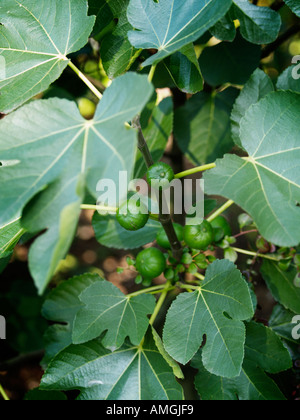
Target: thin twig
269	49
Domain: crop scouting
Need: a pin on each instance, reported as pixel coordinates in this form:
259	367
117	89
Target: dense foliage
91	89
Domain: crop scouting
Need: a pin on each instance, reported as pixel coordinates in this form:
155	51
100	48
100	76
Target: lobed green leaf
51	159
214	311
264	352
269	133
106	308
170	25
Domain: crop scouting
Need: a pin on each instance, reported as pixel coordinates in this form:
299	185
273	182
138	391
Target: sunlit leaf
35	39
170	25
229	62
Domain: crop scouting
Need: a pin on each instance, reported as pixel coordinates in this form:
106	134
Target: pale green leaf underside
35	39
106	308
169	25
202	312
62	152
267	183
263	352
130	373
257	87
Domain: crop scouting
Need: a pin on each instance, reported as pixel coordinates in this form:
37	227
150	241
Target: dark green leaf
61	307
193	315
53	151
281	322
116	52
21	307
225	28
290	79
202	126
106	308
264	352
229	62
4	262
282	285
259	25
270	173
104	10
